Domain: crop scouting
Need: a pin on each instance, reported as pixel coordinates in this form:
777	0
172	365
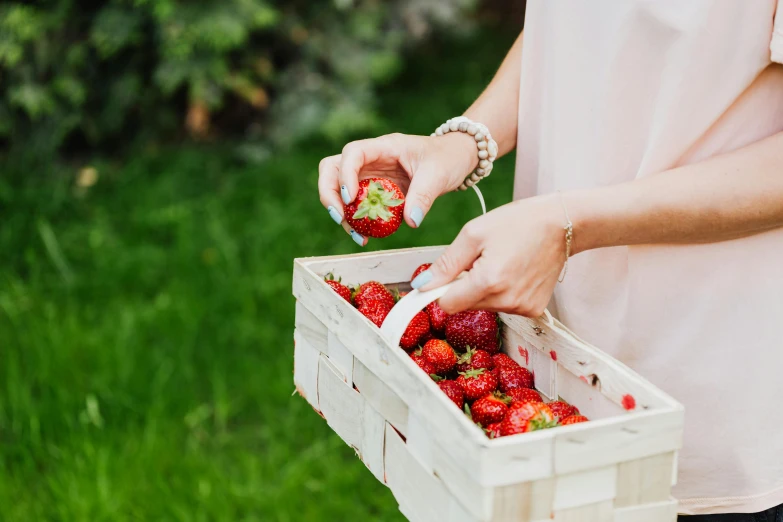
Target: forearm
726	197
498	105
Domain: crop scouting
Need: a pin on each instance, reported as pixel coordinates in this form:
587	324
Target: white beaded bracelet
487	147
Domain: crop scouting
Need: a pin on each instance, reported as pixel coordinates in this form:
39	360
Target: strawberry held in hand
377	209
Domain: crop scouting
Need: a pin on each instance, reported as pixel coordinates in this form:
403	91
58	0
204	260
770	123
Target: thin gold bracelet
569	236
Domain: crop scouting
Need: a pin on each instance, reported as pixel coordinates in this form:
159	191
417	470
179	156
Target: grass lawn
146	326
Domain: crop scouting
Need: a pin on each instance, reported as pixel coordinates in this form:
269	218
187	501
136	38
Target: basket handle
406	308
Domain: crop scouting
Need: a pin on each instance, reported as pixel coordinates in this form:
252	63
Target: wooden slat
585	488
615	379
543	499
390	266
608	441
656	512
310	328
306	361
372	446
520	458
341	357
340	404
600	512
380	397
643	481
588	399
513	503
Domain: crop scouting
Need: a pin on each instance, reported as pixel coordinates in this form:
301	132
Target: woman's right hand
424	167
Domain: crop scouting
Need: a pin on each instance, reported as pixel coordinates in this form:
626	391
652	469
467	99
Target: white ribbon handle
406	308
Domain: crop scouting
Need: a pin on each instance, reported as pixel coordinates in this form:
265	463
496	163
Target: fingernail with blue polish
344	194
421	279
417	216
335	215
357	238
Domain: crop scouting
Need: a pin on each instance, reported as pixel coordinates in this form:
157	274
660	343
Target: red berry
524	395
338	286
503	359
488	409
453	391
417	328
573	419
561	409
493	430
523	417
476	328
377	209
375	312
440	355
473	359
372	291
510	377
437	318
477	383
420	269
422	363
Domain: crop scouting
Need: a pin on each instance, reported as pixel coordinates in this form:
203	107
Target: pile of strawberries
461	352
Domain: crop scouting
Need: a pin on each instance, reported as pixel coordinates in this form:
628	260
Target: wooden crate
618	467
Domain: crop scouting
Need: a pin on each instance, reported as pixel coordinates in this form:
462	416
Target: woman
655	126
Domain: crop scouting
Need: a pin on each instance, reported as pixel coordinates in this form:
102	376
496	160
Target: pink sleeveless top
612	91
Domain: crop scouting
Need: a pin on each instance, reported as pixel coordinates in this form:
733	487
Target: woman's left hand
513	256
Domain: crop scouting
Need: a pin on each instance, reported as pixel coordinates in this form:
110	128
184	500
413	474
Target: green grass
146	327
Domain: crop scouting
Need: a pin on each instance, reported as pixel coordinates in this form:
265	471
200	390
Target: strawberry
477	383
440	355
377	209
562	409
573	419
420	269
372	291
421	362
510	377
437	318
524	395
473	359
419	326
338	286
523	417
375	312
493	430
476	328
453	391
489	409
429	336
502	359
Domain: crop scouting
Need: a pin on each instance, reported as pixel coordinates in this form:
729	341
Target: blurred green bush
77	74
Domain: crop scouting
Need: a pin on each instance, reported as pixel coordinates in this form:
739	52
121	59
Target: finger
357	237
458	257
465	293
328	187
359	153
425	187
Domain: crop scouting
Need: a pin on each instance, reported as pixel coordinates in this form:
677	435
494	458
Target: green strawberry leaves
377	203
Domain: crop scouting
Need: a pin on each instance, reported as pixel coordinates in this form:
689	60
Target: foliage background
145	306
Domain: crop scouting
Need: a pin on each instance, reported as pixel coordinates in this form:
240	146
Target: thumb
426	185
457	258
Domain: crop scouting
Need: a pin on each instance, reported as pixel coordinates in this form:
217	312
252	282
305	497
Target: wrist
461	147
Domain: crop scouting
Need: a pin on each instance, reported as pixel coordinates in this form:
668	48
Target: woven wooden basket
618	467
